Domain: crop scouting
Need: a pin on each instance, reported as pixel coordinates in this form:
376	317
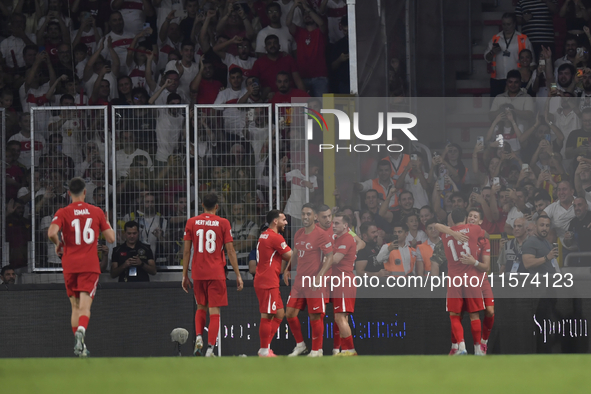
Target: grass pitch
372	374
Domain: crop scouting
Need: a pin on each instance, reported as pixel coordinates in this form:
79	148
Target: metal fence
65	142
233	151
4	247
150	165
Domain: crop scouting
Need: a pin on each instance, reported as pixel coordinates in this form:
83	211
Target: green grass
372	374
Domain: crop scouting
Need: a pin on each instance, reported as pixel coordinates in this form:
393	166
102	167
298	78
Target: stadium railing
4	247
75	145
150	171
233	157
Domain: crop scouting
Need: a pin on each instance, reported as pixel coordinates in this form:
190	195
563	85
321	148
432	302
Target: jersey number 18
209	240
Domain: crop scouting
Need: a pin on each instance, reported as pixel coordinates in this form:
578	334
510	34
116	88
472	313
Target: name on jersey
264	236
342	247
213	223
78	212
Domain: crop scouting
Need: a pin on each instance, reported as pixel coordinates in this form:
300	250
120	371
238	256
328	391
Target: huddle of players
317	252
324	249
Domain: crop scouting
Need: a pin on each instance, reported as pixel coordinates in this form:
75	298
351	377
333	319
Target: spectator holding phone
547	167
519	210
579	141
503	52
132	261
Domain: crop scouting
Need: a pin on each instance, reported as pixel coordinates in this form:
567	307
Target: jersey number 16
87	234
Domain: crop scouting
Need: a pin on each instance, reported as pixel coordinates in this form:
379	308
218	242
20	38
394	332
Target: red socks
317	333
347	343
475	325
265	332
214	327
200	316
74	329
296	329
457	331
275	323
487	325
83	321
336	336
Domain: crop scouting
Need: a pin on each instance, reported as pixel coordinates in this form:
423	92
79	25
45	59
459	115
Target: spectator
579	232
537	253
152	226
18	233
206	88
81	57
570	50
546	165
426	248
69	126
8	275
426	213
234	119
503	51
414	180
541	200
583	179
366	262
120	38
64	64
195	16
132	14
186	67
37	83
535	19
452	155
15	172
398	257
51	34
579	141
24	137
97	65
510	257
334	10
137	181
415	236
268	66
285	41
565	78
339	61
561	212
11	116
585	93
132	261
311	42
176	230
169	130
137	61
244	231
520	104
12	48
403	209
124	157
382	184
285	92
398	160
299	182
236	21
243	61
88	34
576	15
519	208
55	159
171	84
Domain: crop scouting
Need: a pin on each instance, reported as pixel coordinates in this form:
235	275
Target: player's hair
431	221
345	217
77	186
458	215
477	210
130	224
311	206
272	215
322	207
210	200
6	268
365	227
401	225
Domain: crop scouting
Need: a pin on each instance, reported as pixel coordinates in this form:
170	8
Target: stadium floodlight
179	336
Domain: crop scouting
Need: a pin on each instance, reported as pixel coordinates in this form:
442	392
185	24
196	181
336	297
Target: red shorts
315	300
487	294
461	299
343	299
81	282
211	293
269	300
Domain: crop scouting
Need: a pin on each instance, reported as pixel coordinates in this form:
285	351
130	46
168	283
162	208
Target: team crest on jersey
328	245
283	245
141	252
342	247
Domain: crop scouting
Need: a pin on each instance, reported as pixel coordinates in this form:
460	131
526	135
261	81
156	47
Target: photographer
133	261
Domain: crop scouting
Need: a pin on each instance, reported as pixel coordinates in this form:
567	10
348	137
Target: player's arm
447	230
52	234
292	261
231	252
328	262
482	266
109	234
186	283
359	242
